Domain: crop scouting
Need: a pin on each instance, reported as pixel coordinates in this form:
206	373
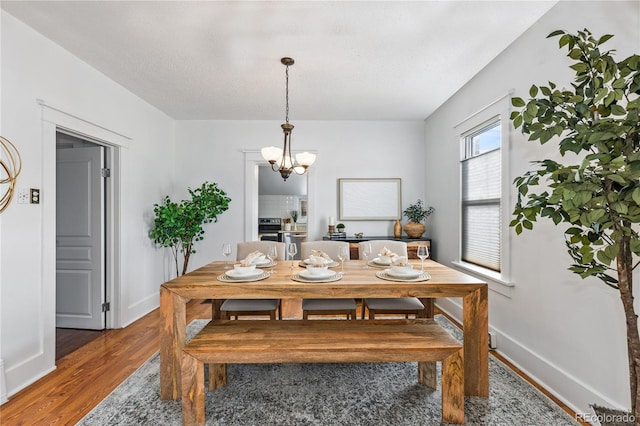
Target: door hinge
105	173
106	307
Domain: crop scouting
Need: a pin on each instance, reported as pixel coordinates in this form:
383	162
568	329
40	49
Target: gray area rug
327	394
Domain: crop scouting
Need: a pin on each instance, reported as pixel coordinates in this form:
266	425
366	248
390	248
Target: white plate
424	276
232	273
263	262
380	262
332	278
309	276
414	273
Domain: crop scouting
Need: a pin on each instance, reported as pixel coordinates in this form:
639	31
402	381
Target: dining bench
322	341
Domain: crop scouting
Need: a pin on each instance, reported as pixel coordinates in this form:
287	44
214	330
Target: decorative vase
414	230
397	229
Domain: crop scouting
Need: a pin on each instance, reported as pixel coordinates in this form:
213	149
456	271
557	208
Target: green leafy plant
417	213
598	195
340	226
180	225
294	215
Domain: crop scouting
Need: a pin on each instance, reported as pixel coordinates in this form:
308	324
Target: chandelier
281	160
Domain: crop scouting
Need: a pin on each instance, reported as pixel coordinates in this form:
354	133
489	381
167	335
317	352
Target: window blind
481	218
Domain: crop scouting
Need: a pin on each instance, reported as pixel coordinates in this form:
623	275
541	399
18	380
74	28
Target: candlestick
331	221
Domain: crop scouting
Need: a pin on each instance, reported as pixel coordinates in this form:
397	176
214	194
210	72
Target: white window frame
497	110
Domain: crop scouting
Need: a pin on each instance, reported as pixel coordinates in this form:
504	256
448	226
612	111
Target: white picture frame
369	199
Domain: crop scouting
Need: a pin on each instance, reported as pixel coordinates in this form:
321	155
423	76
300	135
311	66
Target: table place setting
260	259
318	256
247	270
317	270
384	259
401	270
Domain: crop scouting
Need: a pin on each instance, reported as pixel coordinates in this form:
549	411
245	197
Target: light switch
23	196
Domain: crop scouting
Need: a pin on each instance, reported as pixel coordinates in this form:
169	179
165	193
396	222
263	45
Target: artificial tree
598	193
180	226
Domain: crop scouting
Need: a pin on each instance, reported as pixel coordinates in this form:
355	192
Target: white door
80	238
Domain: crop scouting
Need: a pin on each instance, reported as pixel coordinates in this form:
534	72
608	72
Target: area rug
327	394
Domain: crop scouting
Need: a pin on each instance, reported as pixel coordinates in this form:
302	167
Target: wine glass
423	253
343	254
272	254
367	252
292	249
226	252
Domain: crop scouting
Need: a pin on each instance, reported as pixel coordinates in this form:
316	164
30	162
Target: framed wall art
369	199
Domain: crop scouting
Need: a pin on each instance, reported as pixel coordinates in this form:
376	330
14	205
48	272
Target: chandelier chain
287	95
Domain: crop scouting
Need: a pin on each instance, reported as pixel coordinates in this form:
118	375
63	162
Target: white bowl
402	269
259	260
384	260
244	270
317	270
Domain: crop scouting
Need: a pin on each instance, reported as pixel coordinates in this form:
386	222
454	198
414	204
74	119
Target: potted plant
598	196
294	217
179	226
340	227
416	213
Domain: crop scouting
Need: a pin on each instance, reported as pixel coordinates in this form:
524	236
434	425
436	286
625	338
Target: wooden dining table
358	281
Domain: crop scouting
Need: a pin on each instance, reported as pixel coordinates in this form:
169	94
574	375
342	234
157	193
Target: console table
412	244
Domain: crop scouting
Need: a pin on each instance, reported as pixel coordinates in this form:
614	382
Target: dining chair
398	305
253	307
326	306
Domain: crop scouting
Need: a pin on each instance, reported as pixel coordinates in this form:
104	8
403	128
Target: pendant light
281	160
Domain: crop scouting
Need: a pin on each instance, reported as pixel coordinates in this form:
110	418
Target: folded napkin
386	252
399	261
316	261
251	258
320	253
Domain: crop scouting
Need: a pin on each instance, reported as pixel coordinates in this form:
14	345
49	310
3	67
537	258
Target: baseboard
3	384
559	383
28	378
137	310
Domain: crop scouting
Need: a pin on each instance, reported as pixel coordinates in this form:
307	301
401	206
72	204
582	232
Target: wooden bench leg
217	376
427	374
453	388
192	391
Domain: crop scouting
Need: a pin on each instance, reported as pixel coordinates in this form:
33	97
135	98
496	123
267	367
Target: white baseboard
3	384
559	383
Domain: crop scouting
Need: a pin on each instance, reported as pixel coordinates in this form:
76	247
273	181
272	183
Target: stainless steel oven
268	228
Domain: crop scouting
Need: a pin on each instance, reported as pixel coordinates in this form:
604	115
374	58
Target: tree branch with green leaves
598	195
180	225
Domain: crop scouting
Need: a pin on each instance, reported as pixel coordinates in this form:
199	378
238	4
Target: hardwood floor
86	376
70	339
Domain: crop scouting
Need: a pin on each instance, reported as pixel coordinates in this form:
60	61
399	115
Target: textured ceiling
383	60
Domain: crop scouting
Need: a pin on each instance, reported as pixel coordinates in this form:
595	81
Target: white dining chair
326	306
234	308
398	305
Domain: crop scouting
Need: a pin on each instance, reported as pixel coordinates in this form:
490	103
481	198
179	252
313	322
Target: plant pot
414	230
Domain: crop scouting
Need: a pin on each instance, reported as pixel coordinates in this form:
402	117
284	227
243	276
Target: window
481	196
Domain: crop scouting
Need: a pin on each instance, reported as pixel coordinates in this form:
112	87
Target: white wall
35	68
566	332
213	151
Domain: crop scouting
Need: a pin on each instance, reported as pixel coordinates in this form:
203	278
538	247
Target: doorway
81	239
253	161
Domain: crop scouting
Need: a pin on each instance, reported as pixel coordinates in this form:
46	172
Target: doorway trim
252	160
57	120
